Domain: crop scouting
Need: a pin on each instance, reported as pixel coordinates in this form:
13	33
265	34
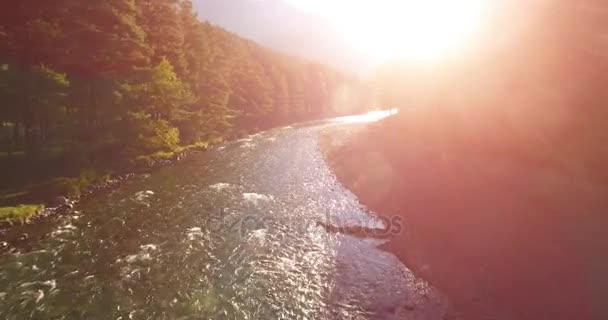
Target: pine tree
164	30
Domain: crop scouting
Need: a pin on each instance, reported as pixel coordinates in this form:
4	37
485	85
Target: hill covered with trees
97	84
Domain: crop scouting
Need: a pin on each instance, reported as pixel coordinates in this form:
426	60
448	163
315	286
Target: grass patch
20	213
45	189
75	187
145	162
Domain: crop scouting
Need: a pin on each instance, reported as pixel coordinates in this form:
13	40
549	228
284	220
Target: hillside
276	24
123	83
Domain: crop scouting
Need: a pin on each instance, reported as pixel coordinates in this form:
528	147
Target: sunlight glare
420	30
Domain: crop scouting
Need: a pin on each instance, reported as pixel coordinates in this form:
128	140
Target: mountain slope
275	24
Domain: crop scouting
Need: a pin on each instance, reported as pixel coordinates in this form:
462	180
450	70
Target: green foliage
75	187
89	177
197	146
161	93
20	213
151	135
108	81
143	163
69	187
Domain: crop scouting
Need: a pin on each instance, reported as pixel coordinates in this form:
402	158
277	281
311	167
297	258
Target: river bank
502	240
51	196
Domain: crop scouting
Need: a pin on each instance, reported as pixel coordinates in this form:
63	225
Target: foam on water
256	198
149	247
143	197
67	229
194	233
220	186
144	254
258	237
255	135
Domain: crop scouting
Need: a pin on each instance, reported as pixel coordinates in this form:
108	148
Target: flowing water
232	233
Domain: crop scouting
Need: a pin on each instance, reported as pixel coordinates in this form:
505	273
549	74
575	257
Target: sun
420	30
423	30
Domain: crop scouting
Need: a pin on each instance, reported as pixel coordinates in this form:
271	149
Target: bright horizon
422	31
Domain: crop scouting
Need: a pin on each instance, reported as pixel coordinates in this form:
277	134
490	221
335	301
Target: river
232	233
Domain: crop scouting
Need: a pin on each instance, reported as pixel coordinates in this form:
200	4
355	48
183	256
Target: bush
152	135
192	147
74	187
69	187
142	162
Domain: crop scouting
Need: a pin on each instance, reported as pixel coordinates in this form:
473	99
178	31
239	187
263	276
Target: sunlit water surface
228	234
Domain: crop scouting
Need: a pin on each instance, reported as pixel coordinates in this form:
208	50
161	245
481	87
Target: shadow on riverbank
502	238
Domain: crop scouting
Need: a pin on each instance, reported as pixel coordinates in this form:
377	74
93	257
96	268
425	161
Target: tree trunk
16	136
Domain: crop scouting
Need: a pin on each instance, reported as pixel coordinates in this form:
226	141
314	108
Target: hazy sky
357	35
290	26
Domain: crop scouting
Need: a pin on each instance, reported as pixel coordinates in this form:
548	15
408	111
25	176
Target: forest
107	85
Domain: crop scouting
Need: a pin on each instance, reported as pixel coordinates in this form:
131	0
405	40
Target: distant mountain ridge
276	24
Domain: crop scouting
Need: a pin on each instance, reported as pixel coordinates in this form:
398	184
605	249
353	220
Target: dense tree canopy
140	76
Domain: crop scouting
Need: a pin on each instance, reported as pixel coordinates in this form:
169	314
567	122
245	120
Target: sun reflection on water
371	116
